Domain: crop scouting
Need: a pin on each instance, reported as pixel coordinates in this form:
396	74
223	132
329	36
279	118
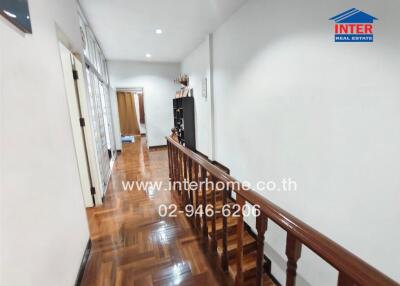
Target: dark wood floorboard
131	244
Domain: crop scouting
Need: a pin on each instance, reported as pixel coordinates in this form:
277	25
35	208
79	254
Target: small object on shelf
174	135
184	92
183	80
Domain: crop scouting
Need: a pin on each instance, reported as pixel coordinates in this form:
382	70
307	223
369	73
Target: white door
74	109
90	131
99	128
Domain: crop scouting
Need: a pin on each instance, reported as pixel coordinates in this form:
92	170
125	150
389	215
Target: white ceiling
126	28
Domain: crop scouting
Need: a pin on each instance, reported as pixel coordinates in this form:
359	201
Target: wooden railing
184	164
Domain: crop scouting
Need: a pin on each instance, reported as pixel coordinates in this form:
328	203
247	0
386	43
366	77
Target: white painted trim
89	135
210	97
73	106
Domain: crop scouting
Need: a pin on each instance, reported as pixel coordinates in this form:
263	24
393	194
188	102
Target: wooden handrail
355	270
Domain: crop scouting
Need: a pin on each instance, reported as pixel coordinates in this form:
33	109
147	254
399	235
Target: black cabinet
184	121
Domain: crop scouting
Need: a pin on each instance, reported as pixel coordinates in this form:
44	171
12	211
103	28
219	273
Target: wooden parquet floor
131	243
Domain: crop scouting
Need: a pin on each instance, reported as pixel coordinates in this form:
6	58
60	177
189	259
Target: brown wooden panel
141	108
127	113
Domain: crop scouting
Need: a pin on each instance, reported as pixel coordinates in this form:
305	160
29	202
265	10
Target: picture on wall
17	12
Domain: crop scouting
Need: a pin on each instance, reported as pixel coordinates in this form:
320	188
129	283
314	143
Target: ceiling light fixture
9	14
159	31
148	56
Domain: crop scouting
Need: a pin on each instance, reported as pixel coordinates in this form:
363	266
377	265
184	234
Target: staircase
249	242
219	229
239	252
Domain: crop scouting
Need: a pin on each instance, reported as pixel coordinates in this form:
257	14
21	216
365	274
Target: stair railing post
171	154
189	186
169	160
179	173
239	251
293	253
182	177
214	243
204	192
174	158
185	194
197	203
224	258
261	225
173	164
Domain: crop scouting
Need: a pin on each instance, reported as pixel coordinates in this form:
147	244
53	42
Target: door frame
74	79
135	90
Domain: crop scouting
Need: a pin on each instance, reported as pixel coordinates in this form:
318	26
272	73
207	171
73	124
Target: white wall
43	222
289	102
197	65
157	80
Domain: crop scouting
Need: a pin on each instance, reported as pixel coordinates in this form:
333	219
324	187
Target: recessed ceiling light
9	14
159	31
148	55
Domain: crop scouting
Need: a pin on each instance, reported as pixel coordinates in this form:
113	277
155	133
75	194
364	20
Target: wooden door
141	108
127	113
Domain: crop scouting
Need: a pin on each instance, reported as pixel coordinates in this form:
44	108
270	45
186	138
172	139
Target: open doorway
131	113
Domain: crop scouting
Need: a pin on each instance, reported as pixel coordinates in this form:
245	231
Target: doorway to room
131	113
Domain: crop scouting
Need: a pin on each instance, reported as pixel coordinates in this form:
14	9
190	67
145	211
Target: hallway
131	244
275	123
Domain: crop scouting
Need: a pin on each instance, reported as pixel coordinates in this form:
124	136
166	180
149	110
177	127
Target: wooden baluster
180	176
177	170
175	165
190	191
184	181
188	199
171	152
173	160
293	253
224	258
214	243
204	190
196	179
239	251
261	225
345	280
169	160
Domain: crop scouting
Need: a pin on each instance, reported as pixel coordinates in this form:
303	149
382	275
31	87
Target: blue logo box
354	38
